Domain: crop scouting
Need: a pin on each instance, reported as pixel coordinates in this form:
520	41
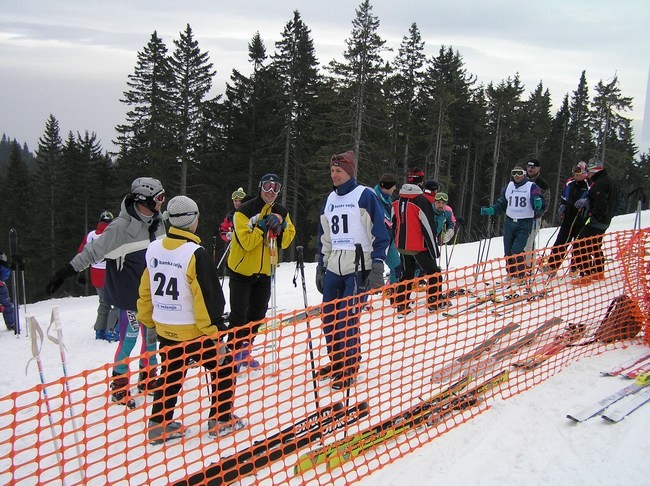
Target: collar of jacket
383	196
182	234
524	181
410	190
346	187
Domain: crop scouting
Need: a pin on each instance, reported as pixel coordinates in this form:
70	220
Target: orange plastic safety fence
423	371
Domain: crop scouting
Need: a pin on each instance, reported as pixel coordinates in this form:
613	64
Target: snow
525	439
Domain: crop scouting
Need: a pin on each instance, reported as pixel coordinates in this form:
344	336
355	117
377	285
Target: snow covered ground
525	439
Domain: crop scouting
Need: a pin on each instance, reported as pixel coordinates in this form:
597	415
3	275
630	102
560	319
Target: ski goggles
160	197
517	172
270	186
441	196
579	170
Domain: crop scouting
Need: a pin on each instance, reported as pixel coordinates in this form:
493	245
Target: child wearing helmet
105	312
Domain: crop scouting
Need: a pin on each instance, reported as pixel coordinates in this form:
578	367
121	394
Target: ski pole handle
57	319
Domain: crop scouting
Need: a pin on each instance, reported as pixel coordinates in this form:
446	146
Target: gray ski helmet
144	191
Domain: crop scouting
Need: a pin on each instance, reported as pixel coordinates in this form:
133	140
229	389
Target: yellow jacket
249	251
207	295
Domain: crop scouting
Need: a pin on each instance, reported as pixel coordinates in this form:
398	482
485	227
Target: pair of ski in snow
618	405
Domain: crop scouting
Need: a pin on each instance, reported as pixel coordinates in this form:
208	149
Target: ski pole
37	334
56	320
300	266
273	259
22	278
223	257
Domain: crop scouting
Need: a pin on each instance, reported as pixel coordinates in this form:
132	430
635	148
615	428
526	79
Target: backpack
623	320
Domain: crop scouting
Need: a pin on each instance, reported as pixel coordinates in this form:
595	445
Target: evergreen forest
416	106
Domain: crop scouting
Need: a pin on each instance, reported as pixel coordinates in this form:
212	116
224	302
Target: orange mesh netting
422	373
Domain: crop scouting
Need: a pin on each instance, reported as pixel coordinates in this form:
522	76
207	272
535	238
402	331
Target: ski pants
249	301
107	315
175	358
8	311
341	328
515	236
588	251
129	328
569	230
429	267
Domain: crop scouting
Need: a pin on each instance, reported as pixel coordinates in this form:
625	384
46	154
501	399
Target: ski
638	371
429	411
599	406
626	365
278	445
478	303
622	410
491	363
571	334
526	340
289	320
462	362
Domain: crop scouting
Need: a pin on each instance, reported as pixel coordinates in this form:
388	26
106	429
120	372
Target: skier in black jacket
600	203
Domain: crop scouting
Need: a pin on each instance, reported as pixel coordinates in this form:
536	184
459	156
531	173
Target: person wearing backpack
600	205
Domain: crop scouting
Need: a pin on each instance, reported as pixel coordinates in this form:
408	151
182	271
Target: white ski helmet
147	191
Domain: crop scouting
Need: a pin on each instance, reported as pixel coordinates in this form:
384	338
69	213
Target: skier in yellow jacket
181	297
256	223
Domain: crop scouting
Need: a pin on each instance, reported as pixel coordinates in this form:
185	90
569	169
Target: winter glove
320	277
275	223
446	236
537	203
263	224
486	211
582	203
58	278
561	210
81	279
376	277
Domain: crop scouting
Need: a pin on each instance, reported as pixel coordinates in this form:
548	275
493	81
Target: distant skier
105	313
6	305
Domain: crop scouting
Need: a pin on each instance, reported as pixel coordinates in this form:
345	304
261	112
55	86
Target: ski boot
219	428
120	389
242	358
149	380
157	434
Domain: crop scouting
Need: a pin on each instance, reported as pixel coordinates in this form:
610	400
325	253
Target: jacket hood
410	190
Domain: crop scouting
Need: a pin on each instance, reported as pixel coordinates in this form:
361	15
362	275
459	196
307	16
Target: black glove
376	277
81	278
320	277
57	279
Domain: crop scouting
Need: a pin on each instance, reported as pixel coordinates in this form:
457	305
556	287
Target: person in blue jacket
351	215
384	191
521	201
6	305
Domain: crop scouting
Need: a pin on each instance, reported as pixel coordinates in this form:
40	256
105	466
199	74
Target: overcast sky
71	58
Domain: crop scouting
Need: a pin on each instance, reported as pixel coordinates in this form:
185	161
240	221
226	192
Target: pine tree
360	79
193	73
579	139
503	104
296	68
145	140
404	87
47	190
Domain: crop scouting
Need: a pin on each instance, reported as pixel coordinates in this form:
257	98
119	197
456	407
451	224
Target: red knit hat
346	161
415	176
